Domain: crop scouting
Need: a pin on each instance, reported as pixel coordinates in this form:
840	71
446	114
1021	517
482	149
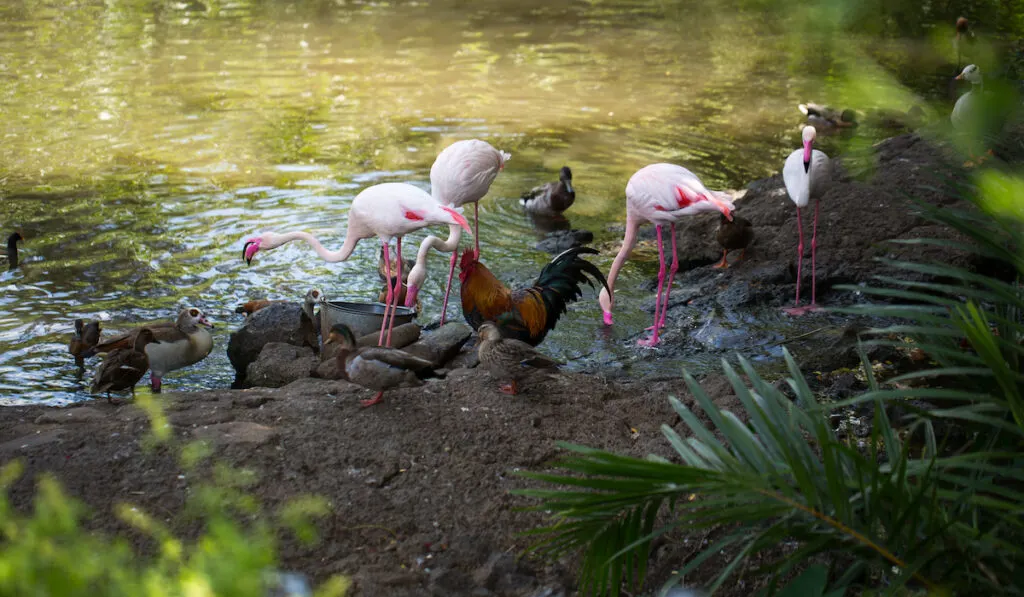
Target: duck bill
568	187
457	217
205	322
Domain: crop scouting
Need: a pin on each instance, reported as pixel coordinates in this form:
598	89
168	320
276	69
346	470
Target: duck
11	255
376	368
734	234
977	116
551	198
511	359
179	343
84	340
124	367
827	118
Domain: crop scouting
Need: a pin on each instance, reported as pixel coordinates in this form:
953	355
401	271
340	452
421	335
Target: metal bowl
361	318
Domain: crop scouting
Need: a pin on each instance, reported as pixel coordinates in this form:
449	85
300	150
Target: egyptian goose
180	343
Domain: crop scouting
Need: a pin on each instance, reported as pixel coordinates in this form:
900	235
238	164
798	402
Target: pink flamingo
806	174
461	174
389	210
660	194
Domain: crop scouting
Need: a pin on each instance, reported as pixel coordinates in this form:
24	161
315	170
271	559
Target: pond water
144	140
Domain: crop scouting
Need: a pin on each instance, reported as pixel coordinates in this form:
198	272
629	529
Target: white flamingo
661	194
389	210
807	174
461	174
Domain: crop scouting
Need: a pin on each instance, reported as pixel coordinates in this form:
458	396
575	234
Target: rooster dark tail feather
560	281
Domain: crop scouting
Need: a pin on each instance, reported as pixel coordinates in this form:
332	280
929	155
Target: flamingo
461	174
660	194
806	174
388	210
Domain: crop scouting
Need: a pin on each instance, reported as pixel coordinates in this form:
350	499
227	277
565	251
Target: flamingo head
970	73
809	134
251	247
605	300
453	217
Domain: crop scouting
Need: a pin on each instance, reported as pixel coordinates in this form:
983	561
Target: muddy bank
419	484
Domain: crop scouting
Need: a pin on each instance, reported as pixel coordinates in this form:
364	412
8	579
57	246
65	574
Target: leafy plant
943	516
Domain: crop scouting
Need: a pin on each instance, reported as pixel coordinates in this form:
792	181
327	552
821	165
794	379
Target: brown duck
552	198
84	340
124	367
180	343
375	368
507	358
737	234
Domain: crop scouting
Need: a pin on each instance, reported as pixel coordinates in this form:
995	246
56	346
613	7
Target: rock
27	442
401	336
497	566
237	432
83	414
443	344
320	387
279	364
288	584
466	359
280	322
562	240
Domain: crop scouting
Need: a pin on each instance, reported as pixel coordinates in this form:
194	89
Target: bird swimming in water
11	255
552	198
84	340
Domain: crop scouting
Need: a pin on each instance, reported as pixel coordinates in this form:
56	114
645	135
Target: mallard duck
551	198
827	118
180	343
734	234
11	256
376	368
124	367
84	340
507	358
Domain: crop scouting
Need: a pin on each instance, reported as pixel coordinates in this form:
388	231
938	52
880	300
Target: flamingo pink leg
797	309
448	288
814	274
389	298
398	289
476	228
671	277
661	284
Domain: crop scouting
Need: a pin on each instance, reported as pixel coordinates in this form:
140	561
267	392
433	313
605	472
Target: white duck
807	174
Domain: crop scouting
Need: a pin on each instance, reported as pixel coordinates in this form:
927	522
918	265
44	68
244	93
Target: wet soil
419	485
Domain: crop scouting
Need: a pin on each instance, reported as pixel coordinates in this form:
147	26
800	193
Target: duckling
551	198
508	358
84	340
732	235
382	272
179	344
11	256
827	118
250	307
376	368
124	367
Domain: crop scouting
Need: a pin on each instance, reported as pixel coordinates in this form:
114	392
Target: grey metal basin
361	318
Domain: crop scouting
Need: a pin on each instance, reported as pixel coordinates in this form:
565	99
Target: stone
465	359
33	440
401	336
441	345
497	566
236	432
562	240
322	387
61	416
279	364
279	322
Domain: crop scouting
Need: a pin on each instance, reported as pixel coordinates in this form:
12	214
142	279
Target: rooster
525	314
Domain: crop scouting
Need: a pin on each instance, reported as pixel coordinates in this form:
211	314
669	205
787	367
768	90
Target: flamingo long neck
418	273
607	296
329	256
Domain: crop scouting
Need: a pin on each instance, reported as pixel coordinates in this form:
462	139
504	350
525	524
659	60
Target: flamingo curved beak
250	249
461	221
